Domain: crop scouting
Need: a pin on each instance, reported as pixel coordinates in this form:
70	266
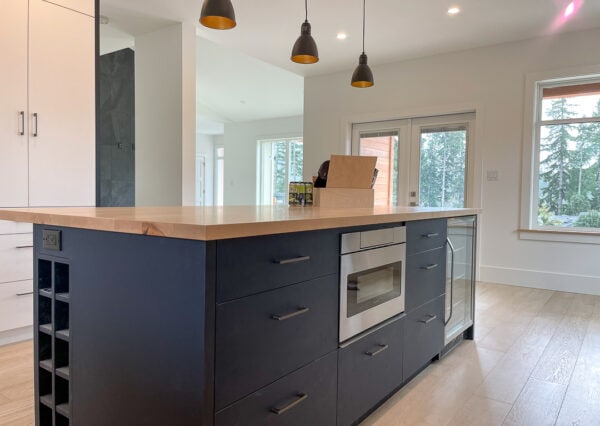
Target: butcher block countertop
216	223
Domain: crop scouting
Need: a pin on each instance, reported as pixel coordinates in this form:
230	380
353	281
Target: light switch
493	175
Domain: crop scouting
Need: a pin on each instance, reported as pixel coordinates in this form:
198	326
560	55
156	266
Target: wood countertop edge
210	232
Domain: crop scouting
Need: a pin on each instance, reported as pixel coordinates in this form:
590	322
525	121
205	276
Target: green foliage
578	203
545	216
589	219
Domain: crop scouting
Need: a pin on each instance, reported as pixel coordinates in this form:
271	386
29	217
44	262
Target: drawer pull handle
23	247
428	320
298	399
284	317
24	294
377	351
431	235
430	267
292	260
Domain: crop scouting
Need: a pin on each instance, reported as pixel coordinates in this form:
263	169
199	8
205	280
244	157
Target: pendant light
305	49
363	76
218	14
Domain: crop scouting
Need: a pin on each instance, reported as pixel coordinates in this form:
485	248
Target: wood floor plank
481	411
538	404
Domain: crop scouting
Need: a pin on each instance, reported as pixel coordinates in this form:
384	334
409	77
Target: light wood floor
535	361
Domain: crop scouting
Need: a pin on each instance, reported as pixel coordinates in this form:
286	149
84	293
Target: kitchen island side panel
141	326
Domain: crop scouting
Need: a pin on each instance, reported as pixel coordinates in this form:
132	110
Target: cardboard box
349	182
343	198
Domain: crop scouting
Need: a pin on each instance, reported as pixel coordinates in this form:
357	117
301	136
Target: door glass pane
367	289
384	146
442	167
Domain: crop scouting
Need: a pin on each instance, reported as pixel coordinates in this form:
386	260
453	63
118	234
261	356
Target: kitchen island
220	315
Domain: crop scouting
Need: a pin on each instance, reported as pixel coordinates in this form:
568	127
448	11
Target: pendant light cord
364	13
306	10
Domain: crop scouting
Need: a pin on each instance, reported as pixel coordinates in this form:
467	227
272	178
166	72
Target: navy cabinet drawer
424	235
266	336
250	265
369	370
425	277
423	335
304	397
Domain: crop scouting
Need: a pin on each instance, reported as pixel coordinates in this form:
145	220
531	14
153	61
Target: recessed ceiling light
454	10
342	36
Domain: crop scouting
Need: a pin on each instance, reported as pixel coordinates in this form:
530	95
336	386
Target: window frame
535	83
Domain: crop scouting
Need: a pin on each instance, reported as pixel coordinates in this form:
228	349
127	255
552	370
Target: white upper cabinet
13	104
83	6
61	106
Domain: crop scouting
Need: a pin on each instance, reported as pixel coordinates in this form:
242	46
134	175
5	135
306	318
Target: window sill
561	235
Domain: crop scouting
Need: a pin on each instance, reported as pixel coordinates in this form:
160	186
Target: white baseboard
572	283
16	335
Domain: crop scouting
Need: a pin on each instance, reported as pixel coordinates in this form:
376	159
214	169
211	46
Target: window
280	162
566	166
421	161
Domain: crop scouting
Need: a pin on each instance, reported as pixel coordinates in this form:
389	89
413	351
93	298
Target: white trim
17	335
584	284
561	236
530	142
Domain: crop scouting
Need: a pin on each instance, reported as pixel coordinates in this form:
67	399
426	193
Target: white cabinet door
61	106
16	257
83	6
16	305
13	104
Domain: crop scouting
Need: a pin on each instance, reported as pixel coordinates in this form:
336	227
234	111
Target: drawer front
369	370
425	277
16	305
16	257
424	335
425	235
8	227
254	348
304	397
250	265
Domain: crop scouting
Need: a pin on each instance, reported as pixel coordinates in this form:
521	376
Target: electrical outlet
493	175
51	239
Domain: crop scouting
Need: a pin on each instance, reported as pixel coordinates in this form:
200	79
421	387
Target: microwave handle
451	278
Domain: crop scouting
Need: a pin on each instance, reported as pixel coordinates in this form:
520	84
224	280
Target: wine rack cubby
52	341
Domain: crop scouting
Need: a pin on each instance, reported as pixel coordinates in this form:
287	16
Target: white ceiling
396	29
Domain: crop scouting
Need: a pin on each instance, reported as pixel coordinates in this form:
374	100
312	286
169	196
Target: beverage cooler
460	278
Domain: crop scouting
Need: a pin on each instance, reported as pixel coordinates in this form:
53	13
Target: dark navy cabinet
135	329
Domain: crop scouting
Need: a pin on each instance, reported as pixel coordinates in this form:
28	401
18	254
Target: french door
420	161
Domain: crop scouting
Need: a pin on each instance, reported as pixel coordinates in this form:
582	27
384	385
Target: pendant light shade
305	49
363	76
218	14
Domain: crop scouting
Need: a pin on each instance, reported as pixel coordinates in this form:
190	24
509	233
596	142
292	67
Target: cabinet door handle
283	317
24	247
446	321
35	124
431	235
428	320
24	294
430	267
380	348
292	260
297	400
22	123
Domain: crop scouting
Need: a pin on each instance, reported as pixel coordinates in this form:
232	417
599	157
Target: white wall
240	154
165	116
491	81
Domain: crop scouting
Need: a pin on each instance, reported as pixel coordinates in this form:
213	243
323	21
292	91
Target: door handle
24	294
24	247
380	348
298	399
22	123
451	280
284	317
430	267
431	235
428	320
292	260
35	124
